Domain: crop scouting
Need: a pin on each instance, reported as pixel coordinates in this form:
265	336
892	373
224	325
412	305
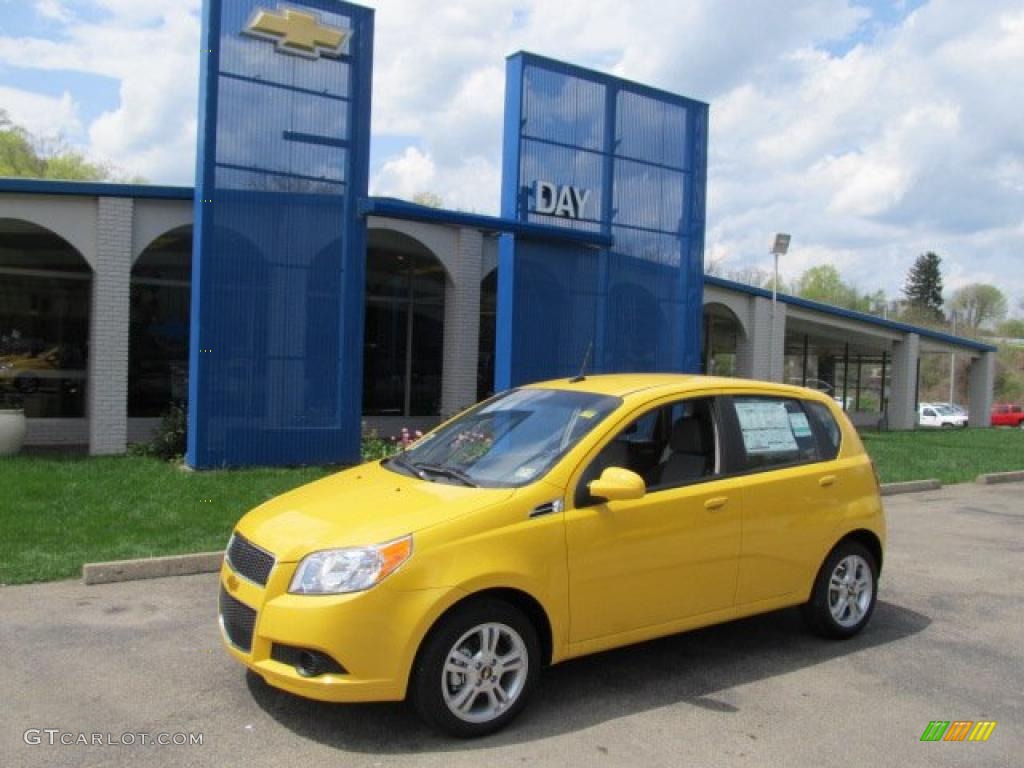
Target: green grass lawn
57	513
951	455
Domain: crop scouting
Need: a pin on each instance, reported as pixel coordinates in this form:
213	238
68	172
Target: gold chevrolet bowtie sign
297	32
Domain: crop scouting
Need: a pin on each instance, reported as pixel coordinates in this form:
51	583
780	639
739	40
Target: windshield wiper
399	460
454	474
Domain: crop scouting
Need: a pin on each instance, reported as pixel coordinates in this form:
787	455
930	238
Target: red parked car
1008	416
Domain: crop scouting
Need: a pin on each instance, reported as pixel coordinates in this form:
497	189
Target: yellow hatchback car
552	521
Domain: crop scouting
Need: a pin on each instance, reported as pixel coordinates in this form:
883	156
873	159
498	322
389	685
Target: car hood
364	505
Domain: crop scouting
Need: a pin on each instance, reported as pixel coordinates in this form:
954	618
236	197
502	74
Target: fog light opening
309	664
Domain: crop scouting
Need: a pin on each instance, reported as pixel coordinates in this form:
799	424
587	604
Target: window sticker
798	422
766	427
588	414
524	473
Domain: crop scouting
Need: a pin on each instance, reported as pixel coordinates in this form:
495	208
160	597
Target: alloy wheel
850	590
485	672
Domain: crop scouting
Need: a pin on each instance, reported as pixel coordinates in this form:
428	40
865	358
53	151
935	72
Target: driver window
668	446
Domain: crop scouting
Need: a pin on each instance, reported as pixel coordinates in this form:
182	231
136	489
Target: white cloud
405	175
52	9
42	115
908	139
151	48
412	171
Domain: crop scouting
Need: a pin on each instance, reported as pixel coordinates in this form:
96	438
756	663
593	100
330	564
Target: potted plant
12	423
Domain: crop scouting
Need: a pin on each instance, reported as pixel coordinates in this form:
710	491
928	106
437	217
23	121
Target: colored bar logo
958	730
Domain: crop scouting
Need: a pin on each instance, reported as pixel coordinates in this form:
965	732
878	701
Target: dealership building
293	311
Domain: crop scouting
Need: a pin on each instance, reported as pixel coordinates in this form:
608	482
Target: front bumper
373	635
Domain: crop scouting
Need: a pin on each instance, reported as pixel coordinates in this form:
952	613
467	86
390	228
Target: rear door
791	490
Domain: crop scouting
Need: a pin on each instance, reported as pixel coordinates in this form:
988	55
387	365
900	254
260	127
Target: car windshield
507	441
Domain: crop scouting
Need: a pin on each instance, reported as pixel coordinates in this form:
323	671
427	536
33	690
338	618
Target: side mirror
618	484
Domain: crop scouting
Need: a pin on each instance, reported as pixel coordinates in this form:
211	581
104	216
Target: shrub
375	448
169	441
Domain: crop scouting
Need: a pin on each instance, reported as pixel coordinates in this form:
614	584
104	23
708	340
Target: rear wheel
476	669
844	592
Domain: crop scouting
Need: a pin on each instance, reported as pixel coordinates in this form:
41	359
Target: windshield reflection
508	441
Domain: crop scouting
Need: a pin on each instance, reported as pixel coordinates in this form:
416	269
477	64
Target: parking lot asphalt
946	643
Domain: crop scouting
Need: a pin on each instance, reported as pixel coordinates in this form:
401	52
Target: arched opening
158	341
404	332
45	289
722	335
488	335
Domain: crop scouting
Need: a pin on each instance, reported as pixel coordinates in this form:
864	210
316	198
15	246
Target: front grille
238	620
249	560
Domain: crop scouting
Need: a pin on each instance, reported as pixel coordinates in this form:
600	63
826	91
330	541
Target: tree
979	304
27	156
759	278
1011	329
923	288
429	199
877	303
825	284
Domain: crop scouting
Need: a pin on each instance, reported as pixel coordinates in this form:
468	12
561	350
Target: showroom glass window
45	287
404	339
158	342
488	332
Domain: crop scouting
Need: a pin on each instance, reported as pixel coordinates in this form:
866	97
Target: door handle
827	480
716	503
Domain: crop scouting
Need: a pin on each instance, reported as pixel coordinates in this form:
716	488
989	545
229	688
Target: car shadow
689	668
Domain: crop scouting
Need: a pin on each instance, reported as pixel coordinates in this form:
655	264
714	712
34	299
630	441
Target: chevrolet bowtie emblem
297	32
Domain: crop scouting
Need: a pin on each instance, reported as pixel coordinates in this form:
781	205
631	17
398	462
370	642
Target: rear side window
826	427
775	432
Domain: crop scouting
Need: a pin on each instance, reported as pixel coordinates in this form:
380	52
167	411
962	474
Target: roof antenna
583	368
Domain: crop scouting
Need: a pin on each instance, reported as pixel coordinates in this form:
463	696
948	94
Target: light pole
779	248
952	363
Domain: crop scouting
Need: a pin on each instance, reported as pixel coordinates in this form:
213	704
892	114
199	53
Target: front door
669	555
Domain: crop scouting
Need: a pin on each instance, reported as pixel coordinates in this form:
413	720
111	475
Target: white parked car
959	410
938	415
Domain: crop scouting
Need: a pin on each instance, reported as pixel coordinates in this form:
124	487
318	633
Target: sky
871	131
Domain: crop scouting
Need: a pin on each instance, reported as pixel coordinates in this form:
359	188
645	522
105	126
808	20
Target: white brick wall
462	323
57	431
755	353
981	379
108	336
902	412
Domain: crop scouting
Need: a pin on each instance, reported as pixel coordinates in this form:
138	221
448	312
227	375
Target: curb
209	562
1000	477
151	568
912	486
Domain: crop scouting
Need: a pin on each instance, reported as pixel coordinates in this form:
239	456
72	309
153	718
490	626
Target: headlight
335	571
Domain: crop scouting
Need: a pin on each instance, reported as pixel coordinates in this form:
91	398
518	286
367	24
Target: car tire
845	592
476	669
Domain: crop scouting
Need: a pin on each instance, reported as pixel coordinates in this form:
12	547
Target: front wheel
476	669
844	592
